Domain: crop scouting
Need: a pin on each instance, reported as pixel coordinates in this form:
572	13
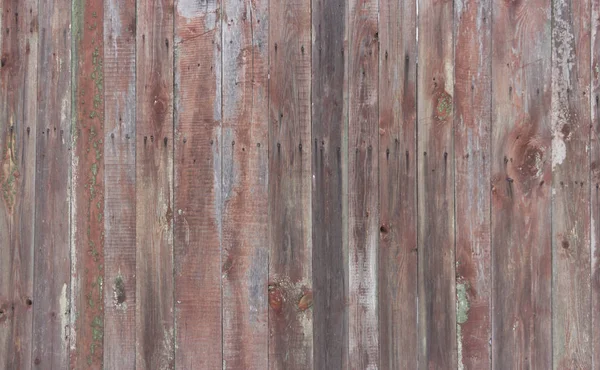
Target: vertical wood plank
245	184
397	268
290	217
87	186
570	125
198	184
595	181
120	183
155	346
51	292
472	127
437	316
329	170
18	109
363	183
521	182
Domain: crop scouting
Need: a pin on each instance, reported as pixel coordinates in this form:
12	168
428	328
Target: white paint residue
193	8
63	304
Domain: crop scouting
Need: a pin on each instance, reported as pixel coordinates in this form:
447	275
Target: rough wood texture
290	217
521	185
52	280
363	215
87	184
472	122
595	182
198	184
437	307
120	184
397	275
245	250
18	110
155	345
570	125
329	169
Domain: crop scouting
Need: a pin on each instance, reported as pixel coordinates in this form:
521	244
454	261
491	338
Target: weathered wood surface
435	144
245	248
120	184
252	184
472	122
521	185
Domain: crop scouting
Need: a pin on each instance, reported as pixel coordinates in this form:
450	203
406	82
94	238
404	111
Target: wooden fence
298	184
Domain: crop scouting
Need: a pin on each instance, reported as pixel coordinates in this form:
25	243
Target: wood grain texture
329	169
155	345
290	217
363	182
197	209
87	186
595	182
570	126
437	307
18	81
120	184
245	253
521	182
52	280
397	263
472	129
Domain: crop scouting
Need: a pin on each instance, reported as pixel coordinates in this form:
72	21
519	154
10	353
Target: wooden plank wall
322	184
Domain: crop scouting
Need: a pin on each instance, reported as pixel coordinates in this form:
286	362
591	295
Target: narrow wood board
472	140
87	186
435	161
155	345
521	185
52	280
397	263
363	183
244	192
329	169
570	127
594	96
197	228
120	184
18	110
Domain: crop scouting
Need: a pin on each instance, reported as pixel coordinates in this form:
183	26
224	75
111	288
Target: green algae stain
462	303
444	106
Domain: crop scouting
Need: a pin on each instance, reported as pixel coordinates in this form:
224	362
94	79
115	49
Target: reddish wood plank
51	291
363	183
198	185
154	185
472	127
330	178
87	184
437	316
595	182
245	184
18	108
120	182
397	263
290	245
521	178
571	315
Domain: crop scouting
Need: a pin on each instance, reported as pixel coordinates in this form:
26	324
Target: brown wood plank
472	127
570	125
595	182
521	183
87	184
197	209
290	245
120	183
155	346
397	274
18	109
363	183
51	291
329	169
245	248
437	316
